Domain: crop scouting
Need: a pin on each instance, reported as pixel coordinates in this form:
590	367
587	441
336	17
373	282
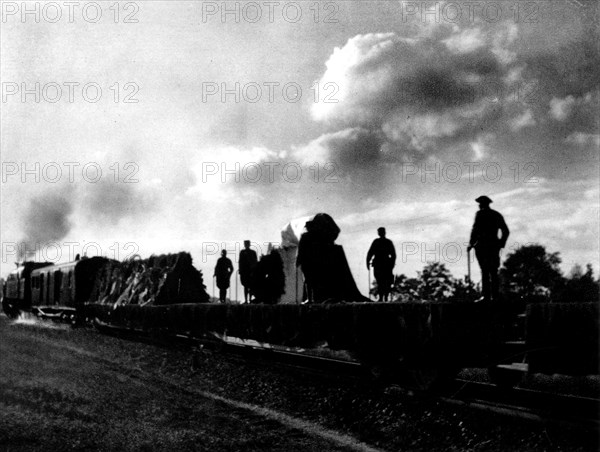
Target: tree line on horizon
529	272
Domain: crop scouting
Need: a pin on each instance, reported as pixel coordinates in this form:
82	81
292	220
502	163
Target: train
422	344
50	289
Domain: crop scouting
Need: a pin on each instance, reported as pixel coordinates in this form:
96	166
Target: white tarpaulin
294	281
291	232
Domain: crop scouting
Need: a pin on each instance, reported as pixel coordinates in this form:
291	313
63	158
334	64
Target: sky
162	126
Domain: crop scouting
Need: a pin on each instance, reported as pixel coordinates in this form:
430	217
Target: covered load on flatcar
158	280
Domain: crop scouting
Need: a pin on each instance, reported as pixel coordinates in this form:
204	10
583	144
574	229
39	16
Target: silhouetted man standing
383	254
247	266
487	244
223	271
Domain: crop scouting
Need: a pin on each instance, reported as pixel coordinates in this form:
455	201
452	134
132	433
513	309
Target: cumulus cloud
481	147
377	74
561	109
225	177
584	139
502	42
400	98
466	41
352	148
525	119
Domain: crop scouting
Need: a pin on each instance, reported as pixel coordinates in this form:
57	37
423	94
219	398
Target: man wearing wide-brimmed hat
487	244
382	256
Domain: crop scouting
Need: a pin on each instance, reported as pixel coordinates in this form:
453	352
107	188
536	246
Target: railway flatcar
423	345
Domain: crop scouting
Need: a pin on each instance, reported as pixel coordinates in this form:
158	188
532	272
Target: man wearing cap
487	244
383	255
223	271
247	266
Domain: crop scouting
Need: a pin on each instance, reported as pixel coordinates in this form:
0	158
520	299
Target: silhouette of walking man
383	255
487	244
247	267
223	271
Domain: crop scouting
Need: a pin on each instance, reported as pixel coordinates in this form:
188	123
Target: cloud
524	120
584	139
351	148
431	226
466	41
452	92
376	74
232	173
481	147
108	201
410	98
562	109
503	40
448	94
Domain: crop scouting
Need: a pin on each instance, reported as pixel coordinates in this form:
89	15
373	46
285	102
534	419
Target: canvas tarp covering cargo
164	279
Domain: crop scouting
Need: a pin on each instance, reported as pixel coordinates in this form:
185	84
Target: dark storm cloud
355	155
436	89
441	81
354	147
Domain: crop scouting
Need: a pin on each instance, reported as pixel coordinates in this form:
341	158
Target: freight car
414	343
50	289
419	344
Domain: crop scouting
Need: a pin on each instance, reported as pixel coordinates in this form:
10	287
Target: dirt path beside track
60	396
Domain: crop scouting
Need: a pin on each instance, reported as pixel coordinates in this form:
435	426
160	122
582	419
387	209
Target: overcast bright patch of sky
378	113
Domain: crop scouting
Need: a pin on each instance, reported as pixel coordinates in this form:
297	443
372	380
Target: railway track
537	406
540	406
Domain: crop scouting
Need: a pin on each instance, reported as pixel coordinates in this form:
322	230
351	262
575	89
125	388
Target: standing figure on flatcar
247	267
223	271
383	256
487	244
